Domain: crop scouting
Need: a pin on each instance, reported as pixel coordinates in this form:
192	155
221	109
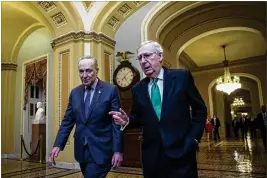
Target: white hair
89	57
154	44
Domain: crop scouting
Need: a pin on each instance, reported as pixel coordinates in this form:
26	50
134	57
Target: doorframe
23	112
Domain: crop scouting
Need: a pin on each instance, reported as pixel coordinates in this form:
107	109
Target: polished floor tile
225	158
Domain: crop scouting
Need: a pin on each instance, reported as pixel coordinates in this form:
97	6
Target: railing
38	147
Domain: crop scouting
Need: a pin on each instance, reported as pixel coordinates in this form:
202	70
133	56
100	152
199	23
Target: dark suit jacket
176	129
98	130
260	121
218	123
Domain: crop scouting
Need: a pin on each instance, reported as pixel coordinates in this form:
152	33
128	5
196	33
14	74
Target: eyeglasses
145	56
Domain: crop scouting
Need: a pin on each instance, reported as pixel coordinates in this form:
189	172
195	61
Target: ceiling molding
113	22
138	3
125	10
109	19
209	13
59	19
187	61
240	62
84	36
166	64
47	5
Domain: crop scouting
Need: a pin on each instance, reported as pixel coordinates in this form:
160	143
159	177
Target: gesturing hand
54	153
120	118
116	160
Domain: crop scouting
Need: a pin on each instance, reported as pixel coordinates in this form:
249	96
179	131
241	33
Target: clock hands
125	77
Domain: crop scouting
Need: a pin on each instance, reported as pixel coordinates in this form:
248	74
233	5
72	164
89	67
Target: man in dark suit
235	125
216	124
244	126
161	104
262	124
97	139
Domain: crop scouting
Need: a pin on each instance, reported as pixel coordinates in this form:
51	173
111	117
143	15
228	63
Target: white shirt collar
161	74
93	85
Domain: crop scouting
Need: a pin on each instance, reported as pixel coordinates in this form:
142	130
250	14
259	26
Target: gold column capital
83	36
8	66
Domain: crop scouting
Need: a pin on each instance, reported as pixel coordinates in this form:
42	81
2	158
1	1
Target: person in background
235	125
244	126
208	129
252	126
216	124
262	124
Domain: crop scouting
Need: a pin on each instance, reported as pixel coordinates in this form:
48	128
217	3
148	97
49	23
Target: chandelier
227	83
238	102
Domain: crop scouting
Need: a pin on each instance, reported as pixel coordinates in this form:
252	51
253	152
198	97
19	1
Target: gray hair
89	57
154	44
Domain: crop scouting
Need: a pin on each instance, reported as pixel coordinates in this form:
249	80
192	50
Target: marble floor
225	158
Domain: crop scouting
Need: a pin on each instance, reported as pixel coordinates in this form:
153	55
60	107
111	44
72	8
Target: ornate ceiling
194	32
87	5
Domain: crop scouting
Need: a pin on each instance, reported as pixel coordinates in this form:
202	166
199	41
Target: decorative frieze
113	22
47	5
9	66
125	10
85	36
59	19
138	3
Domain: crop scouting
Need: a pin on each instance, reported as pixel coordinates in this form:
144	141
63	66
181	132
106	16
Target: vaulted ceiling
20	19
194	32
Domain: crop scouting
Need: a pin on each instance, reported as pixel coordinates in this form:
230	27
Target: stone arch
212	30
253	77
21	39
169	10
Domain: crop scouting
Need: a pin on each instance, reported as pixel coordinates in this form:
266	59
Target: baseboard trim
67	165
10	156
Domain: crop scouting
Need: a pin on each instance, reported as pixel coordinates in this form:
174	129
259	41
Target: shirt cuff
196	141
123	127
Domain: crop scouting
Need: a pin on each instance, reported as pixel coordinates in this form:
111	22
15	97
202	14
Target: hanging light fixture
227	83
238	102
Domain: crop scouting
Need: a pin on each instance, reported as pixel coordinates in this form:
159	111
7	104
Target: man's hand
116	160
120	118
54	153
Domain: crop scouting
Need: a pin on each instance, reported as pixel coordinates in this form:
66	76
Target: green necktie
155	97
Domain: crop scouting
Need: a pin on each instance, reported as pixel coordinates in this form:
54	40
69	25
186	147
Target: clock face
124	77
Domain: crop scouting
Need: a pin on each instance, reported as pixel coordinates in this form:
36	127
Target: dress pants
166	167
92	170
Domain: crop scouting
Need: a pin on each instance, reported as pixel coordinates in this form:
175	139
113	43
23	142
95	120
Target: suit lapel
167	91
147	99
96	96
